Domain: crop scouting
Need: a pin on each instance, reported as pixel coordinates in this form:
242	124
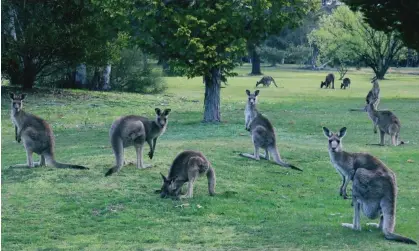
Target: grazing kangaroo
266	81
374	93
262	132
374	187
37	136
387	122
346	83
330	79
187	167
134	131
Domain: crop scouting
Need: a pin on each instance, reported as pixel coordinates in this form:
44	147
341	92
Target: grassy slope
260	205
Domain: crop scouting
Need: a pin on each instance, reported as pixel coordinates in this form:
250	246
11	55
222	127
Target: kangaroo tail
211	181
277	158
399	238
274	83
49	158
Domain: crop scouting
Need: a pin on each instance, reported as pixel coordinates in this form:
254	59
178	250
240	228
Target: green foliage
132	73
389	16
344	37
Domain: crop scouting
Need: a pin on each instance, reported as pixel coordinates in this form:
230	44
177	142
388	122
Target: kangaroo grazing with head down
134	131
187	167
266	81
36	135
330	79
374	187
387	123
262	132
346	83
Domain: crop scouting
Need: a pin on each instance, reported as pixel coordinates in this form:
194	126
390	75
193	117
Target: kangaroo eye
338	141
330	141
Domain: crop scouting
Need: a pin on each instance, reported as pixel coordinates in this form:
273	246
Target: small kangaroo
262	132
374	187
374	93
387	122
36	134
187	167
134	131
266	81
346	83
330	79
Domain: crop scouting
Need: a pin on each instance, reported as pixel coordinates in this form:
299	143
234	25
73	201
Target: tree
344	35
389	16
199	38
40	37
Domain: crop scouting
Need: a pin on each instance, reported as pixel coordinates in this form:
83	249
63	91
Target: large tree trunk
212	96
106	78
29	74
314	56
255	61
80	76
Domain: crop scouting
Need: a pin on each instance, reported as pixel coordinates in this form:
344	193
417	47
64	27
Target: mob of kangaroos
262	133
134	131
37	136
187	167
374	188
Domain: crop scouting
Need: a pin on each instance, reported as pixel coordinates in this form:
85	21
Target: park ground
259	205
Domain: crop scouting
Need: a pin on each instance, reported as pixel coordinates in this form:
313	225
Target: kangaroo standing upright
262	132
187	167
387	122
374	93
374	187
36	135
134	131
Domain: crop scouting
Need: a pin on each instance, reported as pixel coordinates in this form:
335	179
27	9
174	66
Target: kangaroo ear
22	96
326	132
166	112
12	95
342	132
158	111
256	92
163	177
248	92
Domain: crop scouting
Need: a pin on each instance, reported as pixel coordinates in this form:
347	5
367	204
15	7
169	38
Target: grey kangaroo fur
374	93
374	187
346	83
262	133
37	136
330	79
386	121
134	131
266	81
187	167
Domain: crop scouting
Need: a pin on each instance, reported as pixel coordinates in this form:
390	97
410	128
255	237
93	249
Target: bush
133	74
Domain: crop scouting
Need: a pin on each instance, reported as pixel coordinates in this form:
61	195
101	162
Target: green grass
259	205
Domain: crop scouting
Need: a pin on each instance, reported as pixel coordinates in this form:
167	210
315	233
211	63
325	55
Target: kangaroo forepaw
371	224
150	154
351	226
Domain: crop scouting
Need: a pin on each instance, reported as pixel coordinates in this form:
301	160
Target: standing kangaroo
374	187
330	79
374	93
187	167
387	122
266	81
37	136
262	132
134	131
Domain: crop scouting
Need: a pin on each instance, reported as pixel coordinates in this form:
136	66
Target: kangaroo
374	93
266	81
387	122
134	131
374	187
330	79
262	132
37	136
187	167
346	83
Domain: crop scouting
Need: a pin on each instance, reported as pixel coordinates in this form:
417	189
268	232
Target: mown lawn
259	205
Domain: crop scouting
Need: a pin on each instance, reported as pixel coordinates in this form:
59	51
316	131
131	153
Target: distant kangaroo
262	132
387	122
266	81
37	136
330	79
346	83
134	131
187	167
374	93
374	188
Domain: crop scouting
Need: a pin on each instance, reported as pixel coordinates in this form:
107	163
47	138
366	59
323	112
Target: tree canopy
389	16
